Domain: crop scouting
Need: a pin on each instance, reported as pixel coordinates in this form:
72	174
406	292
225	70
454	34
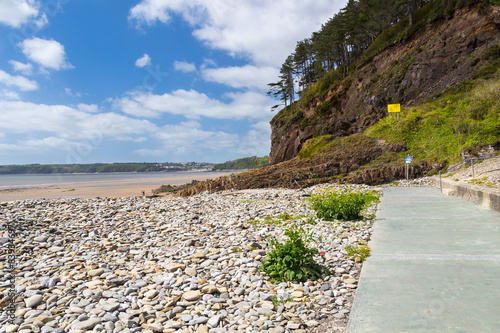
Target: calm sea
157	178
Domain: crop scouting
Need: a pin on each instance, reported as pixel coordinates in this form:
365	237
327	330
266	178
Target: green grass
324	143
361	252
459	119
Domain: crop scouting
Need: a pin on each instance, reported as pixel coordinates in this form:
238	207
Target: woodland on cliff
343	41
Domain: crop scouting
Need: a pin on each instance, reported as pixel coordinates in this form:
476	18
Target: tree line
341	42
98	168
253	162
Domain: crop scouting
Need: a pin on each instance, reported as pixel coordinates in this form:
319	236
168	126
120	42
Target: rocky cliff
321	139
445	53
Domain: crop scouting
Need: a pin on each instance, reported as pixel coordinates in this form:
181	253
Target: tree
284	88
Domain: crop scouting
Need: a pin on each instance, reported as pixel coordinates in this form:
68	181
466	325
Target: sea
156	178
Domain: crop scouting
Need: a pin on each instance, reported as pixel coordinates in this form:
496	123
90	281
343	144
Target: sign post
408	160
394	108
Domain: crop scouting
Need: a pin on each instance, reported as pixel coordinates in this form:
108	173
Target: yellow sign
394	107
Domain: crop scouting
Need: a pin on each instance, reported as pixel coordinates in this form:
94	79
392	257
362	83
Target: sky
105	81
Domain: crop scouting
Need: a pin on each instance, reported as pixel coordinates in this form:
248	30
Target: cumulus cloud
193	105
42	21
18	117
143	61
190	139
48	53
15	13
78	131
18	81
252	77
264	31
8	94
89	108
26	69
185	67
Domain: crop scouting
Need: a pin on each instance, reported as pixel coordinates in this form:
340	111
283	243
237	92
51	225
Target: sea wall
483	196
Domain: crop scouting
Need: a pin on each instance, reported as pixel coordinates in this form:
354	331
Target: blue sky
144	80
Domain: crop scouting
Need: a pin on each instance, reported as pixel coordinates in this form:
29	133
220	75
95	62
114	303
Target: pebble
33	301
173	264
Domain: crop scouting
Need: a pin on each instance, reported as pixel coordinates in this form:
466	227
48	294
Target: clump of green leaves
340	205
361	252
293	260
280	301
276	221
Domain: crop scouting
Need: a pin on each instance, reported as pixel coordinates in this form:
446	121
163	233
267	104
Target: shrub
293	260
335	205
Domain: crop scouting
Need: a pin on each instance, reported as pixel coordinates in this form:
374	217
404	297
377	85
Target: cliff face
444	54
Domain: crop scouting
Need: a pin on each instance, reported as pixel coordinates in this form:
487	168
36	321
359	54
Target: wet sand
100	189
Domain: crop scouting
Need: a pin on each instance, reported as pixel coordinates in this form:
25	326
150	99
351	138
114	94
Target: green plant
276	300
285	216
310	220
294	259
361	252
339	205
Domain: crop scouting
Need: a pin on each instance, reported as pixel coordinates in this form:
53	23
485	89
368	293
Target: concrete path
435	266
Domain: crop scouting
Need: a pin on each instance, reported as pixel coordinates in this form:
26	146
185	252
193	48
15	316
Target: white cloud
242	77
33	129
88	108
264	31
192	105
68	92
18	81
26	69
53	142
18	117
15	13
42	21
47	53
143	61
185	67
189	139
8	94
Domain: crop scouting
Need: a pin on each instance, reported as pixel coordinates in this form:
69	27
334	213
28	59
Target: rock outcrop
346	162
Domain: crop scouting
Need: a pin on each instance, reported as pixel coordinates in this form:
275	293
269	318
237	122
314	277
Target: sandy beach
100	189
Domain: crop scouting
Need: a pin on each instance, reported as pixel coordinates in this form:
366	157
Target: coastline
113	189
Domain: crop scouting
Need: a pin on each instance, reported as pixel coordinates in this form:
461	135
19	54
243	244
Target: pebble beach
172	265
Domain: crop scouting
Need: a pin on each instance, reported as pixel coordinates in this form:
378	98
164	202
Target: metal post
472	165
440	182
407	171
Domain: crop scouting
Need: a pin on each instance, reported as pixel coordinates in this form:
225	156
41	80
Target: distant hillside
100	168
243	163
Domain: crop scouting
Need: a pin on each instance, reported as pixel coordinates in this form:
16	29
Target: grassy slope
463	118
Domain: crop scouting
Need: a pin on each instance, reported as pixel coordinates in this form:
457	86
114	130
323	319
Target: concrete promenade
435	266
